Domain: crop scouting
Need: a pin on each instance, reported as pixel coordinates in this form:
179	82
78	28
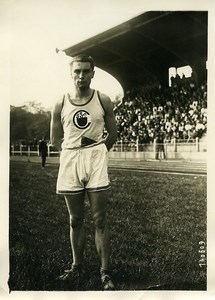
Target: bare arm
56	128
110	122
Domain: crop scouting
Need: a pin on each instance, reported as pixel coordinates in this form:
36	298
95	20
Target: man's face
82	74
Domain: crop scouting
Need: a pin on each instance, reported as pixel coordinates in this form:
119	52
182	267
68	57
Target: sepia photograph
105	168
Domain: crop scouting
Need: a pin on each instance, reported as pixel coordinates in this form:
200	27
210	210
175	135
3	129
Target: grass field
157	224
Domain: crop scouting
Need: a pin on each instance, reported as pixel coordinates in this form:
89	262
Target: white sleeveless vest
83	125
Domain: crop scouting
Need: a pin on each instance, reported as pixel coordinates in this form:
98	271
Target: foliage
34	107
156	223
28	122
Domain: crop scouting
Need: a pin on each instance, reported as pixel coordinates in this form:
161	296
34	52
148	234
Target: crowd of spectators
179	111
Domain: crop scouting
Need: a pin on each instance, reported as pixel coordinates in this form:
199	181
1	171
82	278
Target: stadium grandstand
140	53
142	49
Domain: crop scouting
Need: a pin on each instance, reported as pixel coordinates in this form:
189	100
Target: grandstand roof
147	45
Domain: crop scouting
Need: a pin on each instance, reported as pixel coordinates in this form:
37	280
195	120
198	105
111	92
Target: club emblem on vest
82	119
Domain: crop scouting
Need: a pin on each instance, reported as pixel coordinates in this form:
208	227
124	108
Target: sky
34	29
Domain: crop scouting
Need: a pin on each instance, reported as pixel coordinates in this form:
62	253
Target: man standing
43	150
77	126
159	143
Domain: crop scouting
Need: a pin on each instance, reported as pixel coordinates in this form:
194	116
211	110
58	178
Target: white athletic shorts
81	169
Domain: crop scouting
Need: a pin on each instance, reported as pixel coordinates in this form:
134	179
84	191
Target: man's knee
99	221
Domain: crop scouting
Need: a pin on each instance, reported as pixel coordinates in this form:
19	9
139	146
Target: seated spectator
180	109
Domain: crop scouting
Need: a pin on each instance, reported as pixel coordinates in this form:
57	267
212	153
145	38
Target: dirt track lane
161	166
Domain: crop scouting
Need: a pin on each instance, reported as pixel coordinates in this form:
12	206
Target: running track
182	167
161	166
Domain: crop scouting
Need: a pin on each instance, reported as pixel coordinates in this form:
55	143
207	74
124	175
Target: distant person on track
159	144
43	150
77	126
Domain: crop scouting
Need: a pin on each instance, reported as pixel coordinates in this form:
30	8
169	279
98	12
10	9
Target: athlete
77	130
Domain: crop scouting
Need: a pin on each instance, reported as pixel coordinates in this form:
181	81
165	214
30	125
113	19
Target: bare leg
98	202
75	204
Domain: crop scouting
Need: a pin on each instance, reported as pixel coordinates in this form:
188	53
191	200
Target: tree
28	125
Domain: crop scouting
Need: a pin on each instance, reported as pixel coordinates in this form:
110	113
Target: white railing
29	150
196	146
192	150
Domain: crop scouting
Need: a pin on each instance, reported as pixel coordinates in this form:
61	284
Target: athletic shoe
107	283
74	275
